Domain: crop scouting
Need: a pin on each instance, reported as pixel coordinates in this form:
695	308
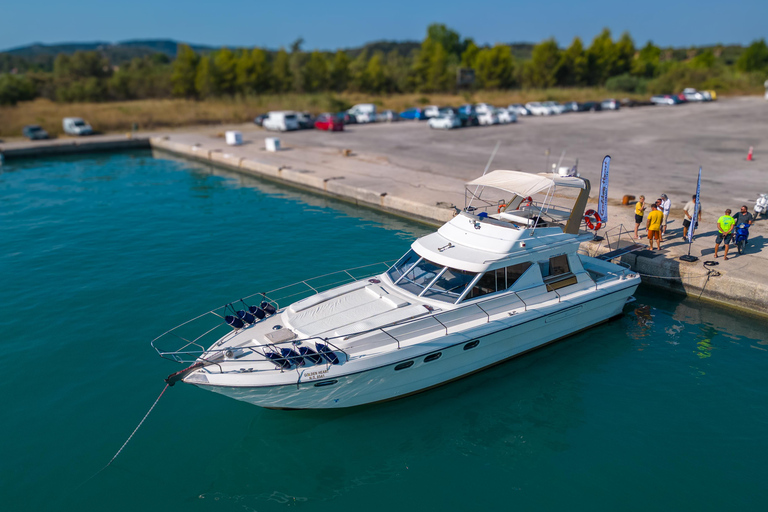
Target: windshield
399	268
290	118
450	285
79	123
418	277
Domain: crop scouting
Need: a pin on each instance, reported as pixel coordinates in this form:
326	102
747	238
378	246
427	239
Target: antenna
487	166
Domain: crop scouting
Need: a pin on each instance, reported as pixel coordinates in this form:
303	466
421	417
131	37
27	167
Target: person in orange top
655	218
639	209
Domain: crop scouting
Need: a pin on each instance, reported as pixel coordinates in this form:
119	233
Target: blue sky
349	23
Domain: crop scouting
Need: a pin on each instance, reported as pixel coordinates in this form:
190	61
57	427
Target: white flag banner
602	200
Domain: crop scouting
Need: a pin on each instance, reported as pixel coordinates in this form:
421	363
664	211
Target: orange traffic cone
749	155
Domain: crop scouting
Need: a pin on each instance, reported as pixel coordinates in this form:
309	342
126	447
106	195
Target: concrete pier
408	170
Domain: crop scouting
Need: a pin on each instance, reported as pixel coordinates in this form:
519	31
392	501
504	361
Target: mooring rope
129	438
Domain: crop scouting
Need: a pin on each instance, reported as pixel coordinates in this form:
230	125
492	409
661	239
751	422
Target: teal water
664	410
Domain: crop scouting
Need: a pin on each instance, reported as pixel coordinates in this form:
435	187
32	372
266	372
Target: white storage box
272	144
234	138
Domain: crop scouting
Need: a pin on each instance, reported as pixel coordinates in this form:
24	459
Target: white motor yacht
503	277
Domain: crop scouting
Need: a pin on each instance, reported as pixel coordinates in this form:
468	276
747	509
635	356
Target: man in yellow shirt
725	226
639	209
655	219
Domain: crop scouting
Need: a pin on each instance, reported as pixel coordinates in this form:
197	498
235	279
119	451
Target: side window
515	271
419	276
558	265
485	285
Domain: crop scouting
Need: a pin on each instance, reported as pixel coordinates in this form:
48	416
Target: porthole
432	357
403	366
325	383
471	344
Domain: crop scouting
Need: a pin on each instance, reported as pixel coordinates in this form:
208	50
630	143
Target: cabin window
403	366
449	286
486	284
471	344
558	265
399	268
418	277
498	280
432	357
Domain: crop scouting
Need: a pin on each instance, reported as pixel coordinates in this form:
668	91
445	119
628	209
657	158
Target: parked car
666	99
571	106
305	119
505	116
416	114
590	106
76	126
281	121
691	94
554	106
346	118
259	120
610	104
329	122
387	116
712	95
364	112
445	120
34	132
487	118
538	109
431	111
519	109
482	108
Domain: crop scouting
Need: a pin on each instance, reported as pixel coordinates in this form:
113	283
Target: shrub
627	83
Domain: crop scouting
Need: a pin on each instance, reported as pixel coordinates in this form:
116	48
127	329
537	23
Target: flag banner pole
694	221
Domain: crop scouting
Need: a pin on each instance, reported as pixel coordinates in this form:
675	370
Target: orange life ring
501	207
593	219
528	201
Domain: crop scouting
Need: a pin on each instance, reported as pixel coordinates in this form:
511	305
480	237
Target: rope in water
129	437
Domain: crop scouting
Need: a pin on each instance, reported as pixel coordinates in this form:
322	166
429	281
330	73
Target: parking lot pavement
654	149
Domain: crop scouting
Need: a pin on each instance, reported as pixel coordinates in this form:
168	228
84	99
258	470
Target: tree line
431	67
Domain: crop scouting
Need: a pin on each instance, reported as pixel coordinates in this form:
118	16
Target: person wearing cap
666	205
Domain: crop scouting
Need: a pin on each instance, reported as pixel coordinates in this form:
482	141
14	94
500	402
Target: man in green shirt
725	226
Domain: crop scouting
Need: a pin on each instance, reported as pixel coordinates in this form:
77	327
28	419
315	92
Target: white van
76	126
281	121
364	112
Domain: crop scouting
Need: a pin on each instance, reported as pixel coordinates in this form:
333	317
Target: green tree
205	79
252	72
184	72
438	76
495	67
601	58
225	76
375	76
448	38
316	76
469	55
281	72
624	51
339	73
647	62
704	60
572	69
754	58
15	88
541	70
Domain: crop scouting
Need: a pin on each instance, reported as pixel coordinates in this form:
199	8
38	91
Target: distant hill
121	50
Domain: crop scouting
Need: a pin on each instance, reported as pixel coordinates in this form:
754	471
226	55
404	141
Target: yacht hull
460	354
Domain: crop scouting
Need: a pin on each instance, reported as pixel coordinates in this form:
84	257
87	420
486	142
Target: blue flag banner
602	200
696	208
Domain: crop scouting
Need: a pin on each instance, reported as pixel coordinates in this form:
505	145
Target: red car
329	123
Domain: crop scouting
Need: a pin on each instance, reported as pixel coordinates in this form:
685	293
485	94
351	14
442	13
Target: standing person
639	209
689	207
666	205
725	226
655	217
